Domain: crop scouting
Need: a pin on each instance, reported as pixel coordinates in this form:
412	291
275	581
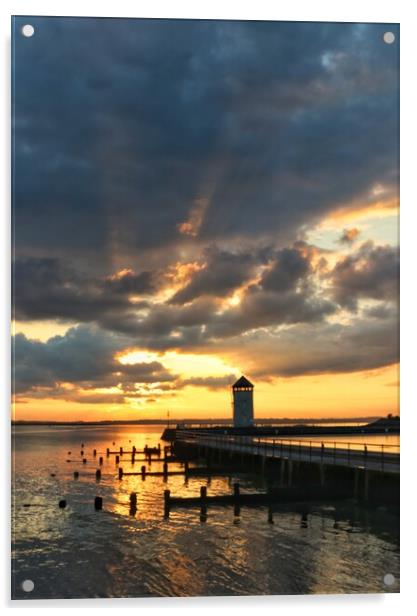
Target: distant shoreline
173	422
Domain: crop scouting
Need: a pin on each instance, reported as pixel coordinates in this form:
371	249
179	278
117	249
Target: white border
302	10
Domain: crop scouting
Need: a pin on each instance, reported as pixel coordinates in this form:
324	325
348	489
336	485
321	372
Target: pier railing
379	457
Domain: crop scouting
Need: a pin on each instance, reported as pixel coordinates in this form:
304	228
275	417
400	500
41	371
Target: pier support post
322	474
366	485
94	452
98	474
107	452
98	503
121	451
290	473
270	514
143	471
120	472
356	483
117	459
165	469
76	474
186	468
263	463
282	471
100	461
84	461
62	504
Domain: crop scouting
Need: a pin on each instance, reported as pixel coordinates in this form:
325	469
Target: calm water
80	552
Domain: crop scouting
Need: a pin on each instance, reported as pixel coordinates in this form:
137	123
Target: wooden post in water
100	461
94	453
203	503
165	469
186	468
98	474
117	459
82	452
120	472
143	471
159	450
84	461
121	451
167	495
98	503
133	456
107	452
62	504
270	514
76	474
133	499
236	495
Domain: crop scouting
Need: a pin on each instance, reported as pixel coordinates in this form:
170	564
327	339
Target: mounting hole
389	579
28	585
28	30
389	38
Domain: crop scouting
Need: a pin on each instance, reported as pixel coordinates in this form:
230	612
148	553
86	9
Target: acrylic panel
205	308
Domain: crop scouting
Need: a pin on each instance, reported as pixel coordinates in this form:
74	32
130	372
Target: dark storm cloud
264	308
370	272
324	348
126	123
47	288
223	272
291	265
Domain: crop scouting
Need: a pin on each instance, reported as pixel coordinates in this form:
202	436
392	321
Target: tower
242	403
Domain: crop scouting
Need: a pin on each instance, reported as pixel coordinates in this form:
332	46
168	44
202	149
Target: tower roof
242	382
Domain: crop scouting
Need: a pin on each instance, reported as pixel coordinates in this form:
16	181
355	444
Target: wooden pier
325	453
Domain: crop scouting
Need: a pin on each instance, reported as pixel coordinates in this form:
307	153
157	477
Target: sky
196	200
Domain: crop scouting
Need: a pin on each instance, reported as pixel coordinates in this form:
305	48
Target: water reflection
130	549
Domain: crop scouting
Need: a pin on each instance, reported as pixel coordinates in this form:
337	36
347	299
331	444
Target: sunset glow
240	220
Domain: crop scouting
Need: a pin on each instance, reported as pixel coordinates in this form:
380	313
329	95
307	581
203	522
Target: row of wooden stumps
164	473
237	499
147	451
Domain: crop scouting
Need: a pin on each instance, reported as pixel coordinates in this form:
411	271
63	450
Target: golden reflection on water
144	554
